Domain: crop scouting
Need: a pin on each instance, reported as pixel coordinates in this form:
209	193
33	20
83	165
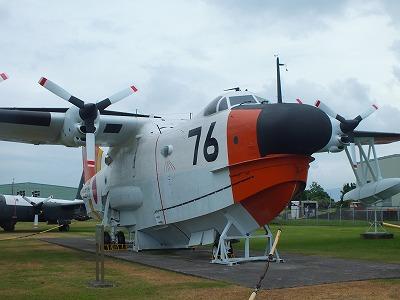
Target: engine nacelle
72	134
374	191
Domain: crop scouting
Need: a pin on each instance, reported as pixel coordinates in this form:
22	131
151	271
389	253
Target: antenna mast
278	79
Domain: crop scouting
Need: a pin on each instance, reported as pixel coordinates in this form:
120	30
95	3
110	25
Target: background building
390	168
39	190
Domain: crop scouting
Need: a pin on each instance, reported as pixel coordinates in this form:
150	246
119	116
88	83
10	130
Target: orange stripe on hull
272	182
242	135
90	168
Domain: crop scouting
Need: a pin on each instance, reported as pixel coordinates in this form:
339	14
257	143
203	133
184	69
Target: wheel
230	250
8	226
120	237
107	238
65	227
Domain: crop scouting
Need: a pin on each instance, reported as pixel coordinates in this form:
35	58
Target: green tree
347	187
316	193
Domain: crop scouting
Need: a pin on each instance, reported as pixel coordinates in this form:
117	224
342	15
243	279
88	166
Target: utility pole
12	186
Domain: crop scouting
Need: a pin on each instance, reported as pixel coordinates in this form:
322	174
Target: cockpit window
212	107
262	100
223	104
236	100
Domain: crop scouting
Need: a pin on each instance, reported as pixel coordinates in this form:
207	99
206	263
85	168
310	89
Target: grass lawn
32	269
336	241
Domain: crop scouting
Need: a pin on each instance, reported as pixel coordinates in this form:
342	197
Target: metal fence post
99	254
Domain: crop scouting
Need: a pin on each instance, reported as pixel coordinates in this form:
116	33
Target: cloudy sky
181	54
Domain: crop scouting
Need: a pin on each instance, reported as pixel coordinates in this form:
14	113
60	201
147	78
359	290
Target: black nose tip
288	128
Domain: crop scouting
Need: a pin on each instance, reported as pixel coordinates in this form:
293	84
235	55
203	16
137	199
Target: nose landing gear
116	243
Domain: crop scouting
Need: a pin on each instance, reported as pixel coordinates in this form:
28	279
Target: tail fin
89	172
78	193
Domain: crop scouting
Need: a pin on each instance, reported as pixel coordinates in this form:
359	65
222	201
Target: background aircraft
18	208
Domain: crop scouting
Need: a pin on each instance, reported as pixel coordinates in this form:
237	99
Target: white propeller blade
3	76
90	151
122	94
29	201
36	221
369	111
116	97
353	155
35	205
60	92
325	108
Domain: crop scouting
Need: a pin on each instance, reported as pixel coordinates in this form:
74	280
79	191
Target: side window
212	107
223	105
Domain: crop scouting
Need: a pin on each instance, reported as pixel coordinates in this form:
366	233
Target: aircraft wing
54	126
33	127
66	203
364	137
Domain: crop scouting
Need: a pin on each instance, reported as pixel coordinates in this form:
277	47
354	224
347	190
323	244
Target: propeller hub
88	112
348	126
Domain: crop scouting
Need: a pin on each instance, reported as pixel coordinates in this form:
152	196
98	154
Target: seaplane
224	173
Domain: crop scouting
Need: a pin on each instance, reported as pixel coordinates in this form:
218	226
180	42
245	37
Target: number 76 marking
209	142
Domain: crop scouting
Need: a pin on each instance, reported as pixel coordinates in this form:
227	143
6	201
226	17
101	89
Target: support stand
376	231
223	252
99	282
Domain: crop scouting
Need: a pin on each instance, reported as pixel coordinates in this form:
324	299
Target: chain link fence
338	215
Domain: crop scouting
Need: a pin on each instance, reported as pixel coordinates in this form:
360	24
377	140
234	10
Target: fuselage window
247	99
212	107
223	105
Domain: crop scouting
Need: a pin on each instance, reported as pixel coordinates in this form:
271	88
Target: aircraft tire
107	238
120	237
65	227
9	226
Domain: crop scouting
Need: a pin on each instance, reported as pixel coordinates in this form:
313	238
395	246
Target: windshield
261	100
236	100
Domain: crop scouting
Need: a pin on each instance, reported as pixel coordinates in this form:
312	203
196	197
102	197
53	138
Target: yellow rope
31	234
391	225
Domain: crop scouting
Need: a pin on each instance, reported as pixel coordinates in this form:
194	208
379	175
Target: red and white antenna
299	101
3	76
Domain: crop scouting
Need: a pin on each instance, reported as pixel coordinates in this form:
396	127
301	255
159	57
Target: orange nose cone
262	183
267	204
